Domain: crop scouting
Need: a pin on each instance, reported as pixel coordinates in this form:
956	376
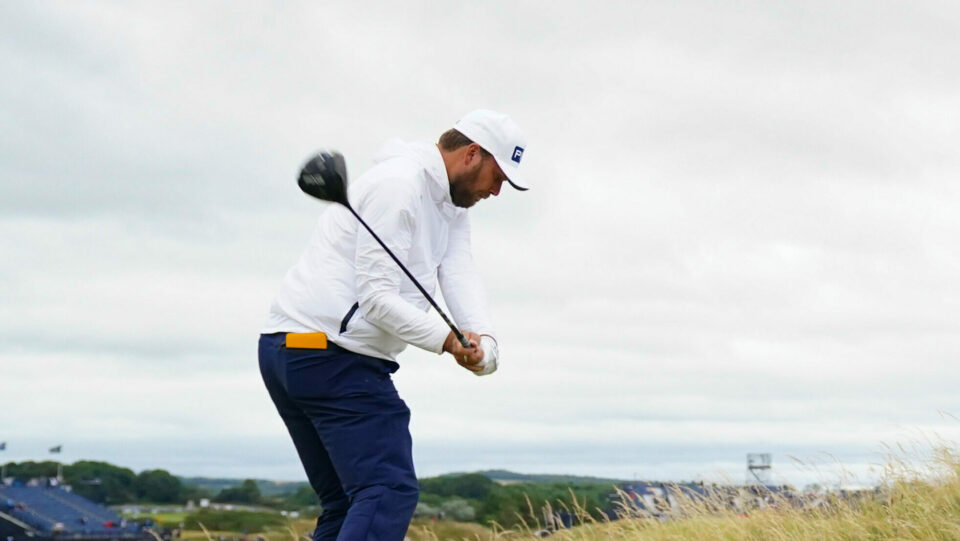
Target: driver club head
324	176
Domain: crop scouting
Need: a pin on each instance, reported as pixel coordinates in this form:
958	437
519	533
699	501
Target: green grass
168	520
235	521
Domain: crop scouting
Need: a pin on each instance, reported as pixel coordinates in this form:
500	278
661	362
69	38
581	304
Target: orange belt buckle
306	340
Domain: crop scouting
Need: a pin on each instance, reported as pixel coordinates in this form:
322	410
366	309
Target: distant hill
267	488
507	477
281	488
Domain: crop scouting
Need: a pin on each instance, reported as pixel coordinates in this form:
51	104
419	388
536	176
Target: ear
472	155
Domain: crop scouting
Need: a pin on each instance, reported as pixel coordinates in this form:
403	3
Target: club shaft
463	339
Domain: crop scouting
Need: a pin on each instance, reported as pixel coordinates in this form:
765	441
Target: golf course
916	502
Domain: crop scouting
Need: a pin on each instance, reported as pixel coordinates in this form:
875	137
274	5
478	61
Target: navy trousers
351	430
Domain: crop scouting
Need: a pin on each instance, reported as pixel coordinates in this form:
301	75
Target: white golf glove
491	353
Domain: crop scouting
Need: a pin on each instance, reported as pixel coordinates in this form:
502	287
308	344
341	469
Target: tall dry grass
916	500
913	502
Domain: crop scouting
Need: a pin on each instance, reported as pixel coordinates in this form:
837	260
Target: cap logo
517	154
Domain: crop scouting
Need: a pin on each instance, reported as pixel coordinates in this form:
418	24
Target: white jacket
405	199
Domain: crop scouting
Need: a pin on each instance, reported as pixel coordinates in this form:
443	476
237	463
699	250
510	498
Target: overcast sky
742	234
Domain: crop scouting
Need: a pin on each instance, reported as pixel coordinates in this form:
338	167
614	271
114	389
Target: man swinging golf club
361	291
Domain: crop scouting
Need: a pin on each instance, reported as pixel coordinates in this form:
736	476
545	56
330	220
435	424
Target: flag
56	449
3	445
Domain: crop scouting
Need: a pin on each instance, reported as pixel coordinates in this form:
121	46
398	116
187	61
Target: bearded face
472	185
463	188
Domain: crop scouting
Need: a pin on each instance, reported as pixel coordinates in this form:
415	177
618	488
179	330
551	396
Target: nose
496	188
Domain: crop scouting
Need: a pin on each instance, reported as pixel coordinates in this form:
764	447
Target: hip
331	371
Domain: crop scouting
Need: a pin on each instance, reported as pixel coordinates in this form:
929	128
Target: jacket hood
428	156
425	154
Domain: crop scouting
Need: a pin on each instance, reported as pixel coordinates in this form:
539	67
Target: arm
464	295
460	282
390	211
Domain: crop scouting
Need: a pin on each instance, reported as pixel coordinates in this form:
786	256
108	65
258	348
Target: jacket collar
439	181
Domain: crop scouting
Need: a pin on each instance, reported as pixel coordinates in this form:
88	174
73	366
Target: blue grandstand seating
55	510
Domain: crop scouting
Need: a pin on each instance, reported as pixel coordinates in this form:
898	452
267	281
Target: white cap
499	135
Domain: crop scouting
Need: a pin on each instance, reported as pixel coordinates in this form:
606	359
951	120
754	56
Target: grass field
300	530
167	520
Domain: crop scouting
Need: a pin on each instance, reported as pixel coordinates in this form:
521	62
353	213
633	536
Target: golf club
324	177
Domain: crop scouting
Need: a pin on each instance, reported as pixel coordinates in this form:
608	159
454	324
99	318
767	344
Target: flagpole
58	449
3	467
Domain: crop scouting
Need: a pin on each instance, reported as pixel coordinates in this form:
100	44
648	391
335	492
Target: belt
306	340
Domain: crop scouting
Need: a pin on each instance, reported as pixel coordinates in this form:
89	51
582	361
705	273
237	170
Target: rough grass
914	503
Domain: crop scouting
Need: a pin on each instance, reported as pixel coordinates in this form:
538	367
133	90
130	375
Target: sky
741	236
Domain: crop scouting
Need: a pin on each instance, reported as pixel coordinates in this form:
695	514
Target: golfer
345	311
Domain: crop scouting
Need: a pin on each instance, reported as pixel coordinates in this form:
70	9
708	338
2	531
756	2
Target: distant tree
102	482
248	492
303	497
458	509
195	493
159	486
24	471
472	486
427	511
503	504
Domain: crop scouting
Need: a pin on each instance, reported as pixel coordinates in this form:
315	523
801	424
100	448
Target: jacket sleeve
390	211
460	282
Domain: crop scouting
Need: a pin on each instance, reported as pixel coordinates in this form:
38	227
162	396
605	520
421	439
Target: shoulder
398	181
402	172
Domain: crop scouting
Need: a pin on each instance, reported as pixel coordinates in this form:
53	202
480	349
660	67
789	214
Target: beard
461	188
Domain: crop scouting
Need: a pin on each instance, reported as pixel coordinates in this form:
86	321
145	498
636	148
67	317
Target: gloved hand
491	353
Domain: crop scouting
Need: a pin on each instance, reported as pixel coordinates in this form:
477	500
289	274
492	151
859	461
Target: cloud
741	234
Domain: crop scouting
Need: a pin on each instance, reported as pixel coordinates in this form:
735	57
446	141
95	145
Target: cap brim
513	175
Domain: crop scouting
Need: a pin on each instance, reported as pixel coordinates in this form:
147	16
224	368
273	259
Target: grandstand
40	513
661	500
